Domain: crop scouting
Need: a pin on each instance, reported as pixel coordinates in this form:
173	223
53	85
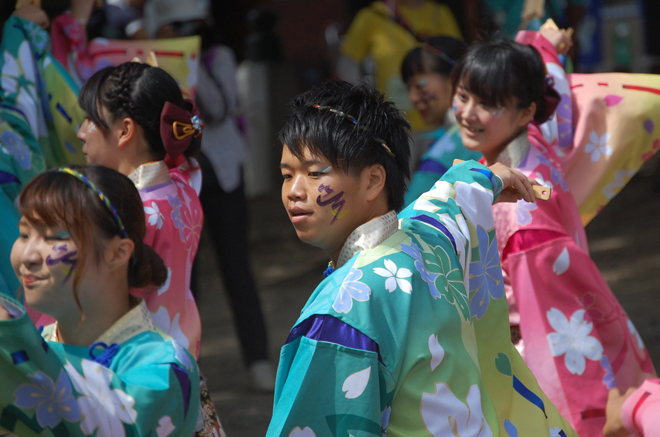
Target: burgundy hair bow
552	99
178	126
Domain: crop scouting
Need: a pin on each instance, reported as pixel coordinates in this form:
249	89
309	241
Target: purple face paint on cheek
337	201
66	259
325	188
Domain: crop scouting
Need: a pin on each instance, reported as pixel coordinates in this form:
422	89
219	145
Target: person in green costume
426	70
386	344
39	118
103	368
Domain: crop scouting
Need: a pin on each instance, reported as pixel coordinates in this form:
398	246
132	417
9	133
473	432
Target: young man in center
386	344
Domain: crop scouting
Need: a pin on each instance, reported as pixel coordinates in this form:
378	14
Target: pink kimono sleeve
70	46
641	411
576	333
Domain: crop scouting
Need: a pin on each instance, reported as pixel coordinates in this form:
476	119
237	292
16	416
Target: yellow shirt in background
373	33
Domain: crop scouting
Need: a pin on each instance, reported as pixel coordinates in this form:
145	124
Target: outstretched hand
516	185
34	13
614	424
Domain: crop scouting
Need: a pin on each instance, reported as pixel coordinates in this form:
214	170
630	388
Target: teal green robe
145	385
387	345
39	119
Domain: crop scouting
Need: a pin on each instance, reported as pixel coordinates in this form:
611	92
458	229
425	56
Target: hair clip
439	53
102	196
355	122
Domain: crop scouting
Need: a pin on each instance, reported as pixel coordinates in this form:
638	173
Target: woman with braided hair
139	124
103	368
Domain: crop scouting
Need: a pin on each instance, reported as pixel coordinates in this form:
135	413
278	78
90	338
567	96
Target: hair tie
178	127
551	98
355	122
439	53
102	196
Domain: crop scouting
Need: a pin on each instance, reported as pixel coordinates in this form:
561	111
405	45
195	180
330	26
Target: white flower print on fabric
351	289
154	216
524	212
598	146
437	352
445	415
171	327
395	277
165	426
572	338
53	401
475	202
166	286
101	407
562	263
182	355
305	432
633	331
355	384
539	178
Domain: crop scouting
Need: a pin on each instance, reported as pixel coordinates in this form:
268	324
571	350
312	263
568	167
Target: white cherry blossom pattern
355	384
572	339
165	426
445	415
598	146
154	216
170	327
633	331
524	212
166	286
102	408
562	263
437	352
305	432
351	289
395	277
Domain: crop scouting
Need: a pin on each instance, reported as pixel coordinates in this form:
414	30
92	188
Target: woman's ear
127	131
118	252
527	115
374	178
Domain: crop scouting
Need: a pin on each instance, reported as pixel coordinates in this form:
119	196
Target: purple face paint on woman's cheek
337	201
67	259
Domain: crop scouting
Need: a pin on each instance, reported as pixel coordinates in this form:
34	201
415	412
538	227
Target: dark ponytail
140	92
498	70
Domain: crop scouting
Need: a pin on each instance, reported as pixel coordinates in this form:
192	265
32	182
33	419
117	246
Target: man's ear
374	180
118	252
127	131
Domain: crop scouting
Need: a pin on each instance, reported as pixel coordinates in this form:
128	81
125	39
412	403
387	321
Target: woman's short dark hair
349	146
138	91
501	69
421	60
56	198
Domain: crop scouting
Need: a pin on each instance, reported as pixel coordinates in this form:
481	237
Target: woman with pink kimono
576	337
139	124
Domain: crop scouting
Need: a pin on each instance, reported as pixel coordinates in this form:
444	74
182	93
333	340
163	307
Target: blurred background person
221	160
426	71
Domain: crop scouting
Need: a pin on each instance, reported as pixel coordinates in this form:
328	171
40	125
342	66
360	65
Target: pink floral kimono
174	224
578	340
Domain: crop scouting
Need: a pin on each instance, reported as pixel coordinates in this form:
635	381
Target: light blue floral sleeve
146	385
